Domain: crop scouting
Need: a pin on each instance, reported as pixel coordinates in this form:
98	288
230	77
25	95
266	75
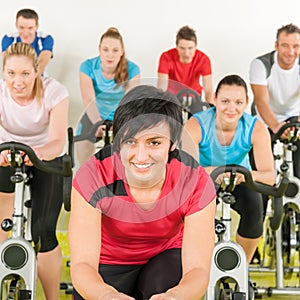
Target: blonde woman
34	111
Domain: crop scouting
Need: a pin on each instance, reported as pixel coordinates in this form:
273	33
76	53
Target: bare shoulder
260	132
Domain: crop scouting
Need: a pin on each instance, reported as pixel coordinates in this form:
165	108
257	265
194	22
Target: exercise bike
90	136
282	244
229	269
18	253
191	103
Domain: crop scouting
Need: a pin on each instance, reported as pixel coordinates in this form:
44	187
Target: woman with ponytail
103	82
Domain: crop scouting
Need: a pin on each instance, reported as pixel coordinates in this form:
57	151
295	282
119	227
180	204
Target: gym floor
264	280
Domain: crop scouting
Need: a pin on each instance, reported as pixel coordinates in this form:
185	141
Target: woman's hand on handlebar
38	153
4	162
99	131
239	178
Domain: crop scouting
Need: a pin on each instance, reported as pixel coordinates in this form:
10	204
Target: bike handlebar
276	191
91	134
191	101
64	170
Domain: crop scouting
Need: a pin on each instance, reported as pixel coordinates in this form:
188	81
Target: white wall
231	32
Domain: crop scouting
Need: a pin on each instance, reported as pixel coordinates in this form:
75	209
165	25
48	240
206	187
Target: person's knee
251	229
160	274
47	241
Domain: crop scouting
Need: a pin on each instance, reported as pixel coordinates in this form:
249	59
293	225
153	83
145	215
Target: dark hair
232	80
121	72
28	13
144	107
186	33
288	29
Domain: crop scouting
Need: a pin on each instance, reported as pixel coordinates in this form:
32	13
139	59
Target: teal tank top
212	153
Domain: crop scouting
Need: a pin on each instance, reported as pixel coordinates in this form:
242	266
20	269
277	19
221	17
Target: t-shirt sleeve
48	43
55	92
203	193
133	69
6	42
87	180
86	67
206	66
257	73
164	63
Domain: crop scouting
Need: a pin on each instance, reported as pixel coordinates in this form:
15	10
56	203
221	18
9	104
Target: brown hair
233	80
121	72
288	29
24	49
28	13
186	33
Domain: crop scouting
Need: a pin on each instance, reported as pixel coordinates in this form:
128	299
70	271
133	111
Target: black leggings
249	205
159	274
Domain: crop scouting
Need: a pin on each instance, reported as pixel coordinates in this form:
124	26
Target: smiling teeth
142	166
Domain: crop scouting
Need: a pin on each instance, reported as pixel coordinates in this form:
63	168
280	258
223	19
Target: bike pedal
238	296
25	294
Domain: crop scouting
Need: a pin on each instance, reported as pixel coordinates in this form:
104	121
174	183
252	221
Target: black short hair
144	107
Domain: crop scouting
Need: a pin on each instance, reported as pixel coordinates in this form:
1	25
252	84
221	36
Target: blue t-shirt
212	153
107	95
41	42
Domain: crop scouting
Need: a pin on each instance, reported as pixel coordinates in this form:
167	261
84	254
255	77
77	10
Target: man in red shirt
187	65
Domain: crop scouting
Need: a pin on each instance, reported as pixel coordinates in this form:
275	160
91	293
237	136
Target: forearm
193	285
43	60
266	177
209	98
267	115
89	98
162	81
208	89
51	150
89	284
92	112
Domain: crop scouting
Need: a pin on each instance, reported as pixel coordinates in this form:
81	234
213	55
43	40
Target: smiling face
145	156
186	50
231	102
20	75
288	47
111	51
27	29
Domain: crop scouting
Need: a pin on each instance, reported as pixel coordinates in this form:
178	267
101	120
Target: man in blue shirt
27	26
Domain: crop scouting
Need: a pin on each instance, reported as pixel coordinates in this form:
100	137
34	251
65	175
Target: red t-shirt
131	235
188	74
